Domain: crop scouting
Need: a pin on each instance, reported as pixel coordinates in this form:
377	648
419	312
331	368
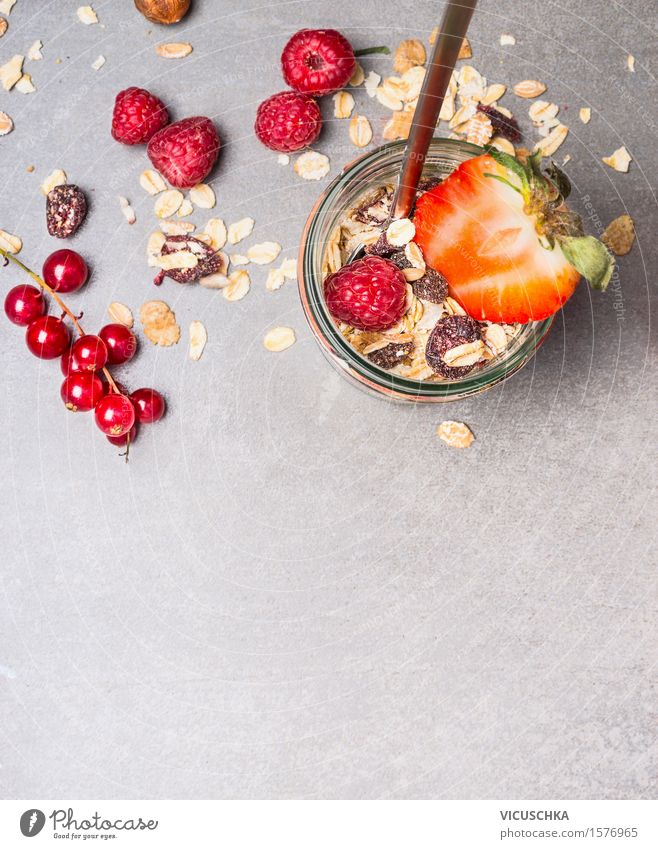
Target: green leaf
559	180
368	51
505	182
591	258
510	163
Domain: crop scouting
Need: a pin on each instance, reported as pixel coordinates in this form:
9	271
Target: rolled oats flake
400	232
198	339
289	269
529	88
619	160
553	140
216	229
174	50
275	279
343	104
239	230
168	203
87	15
409	53
372	83
358	76
360	131
507	40
10	243
279	338
127	210
177	228
11	72
152	182
312	165
264	253
34	53
585	114
120	314
6	124
159	323
203	196
239	285
455	434
239	259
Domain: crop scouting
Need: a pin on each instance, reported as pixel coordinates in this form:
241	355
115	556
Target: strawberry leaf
510	163
591	258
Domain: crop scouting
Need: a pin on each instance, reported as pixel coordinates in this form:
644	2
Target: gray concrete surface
295	590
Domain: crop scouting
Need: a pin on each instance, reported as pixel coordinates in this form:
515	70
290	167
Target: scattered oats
529	88
501	143
433	35
279	338
6	124
177	259
239	285
409	53
264	253
159	323
447	107
553	140
455	434
275	279
3	26
25	85
198	339
10	243
387	99
453	308
415	256
399	125
174	50
462	115
219	280
372	82
620	159
619	235
395	88
11	72
467	354
57	178
542	112
478	129
289	269
465	51
360	131
202	196
312	165
492	93
34	53
168	203
155	243
507	40
152	182
202	237
283	159
504	111
216	229
239	259
128	211
495	338
240	230
121	314
400	232
343	104
566	159
630	63
358	76
585	114
185	209
86	15
6	6
98	62
177	228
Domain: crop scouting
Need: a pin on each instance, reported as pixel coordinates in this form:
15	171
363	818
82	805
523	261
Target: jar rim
333	343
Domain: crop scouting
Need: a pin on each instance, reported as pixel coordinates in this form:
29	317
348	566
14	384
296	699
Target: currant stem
368	51
60	303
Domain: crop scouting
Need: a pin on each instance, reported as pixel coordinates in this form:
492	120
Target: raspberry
450	332
185	152
137	116
370	293
317	61
288	121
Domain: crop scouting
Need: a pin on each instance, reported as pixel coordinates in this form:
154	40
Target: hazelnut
163	11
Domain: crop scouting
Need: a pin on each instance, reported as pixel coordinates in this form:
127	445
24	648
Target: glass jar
368	172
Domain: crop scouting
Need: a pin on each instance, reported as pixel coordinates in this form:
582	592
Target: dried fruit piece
360	131
174	50
239	285
432	286
159	323
312	165
216	229
279	338
163	11
454	331
66	209
10	243
553	140
208	260
343	104
202	196
529	88
239	230
619	235
501	124
409	53
11	72
198	339
391	354
400	232
455	434
168	203
152	182
86	15
120	314
264	253
620	159
585	114
6	124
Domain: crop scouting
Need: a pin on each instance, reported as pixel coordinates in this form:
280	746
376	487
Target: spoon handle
456	19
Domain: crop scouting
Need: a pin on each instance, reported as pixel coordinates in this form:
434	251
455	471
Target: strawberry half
499	231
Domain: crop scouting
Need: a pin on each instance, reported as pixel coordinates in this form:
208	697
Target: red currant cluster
88	383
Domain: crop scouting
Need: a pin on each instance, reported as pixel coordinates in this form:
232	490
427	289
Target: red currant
89	353
149	405
65	271
81	391
24	303
122	441
121	343
47	337
67	362
115	414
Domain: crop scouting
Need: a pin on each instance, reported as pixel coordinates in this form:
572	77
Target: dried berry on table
450	333
209	260
503	126
66	209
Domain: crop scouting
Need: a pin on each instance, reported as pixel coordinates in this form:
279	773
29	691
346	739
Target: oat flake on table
455	434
